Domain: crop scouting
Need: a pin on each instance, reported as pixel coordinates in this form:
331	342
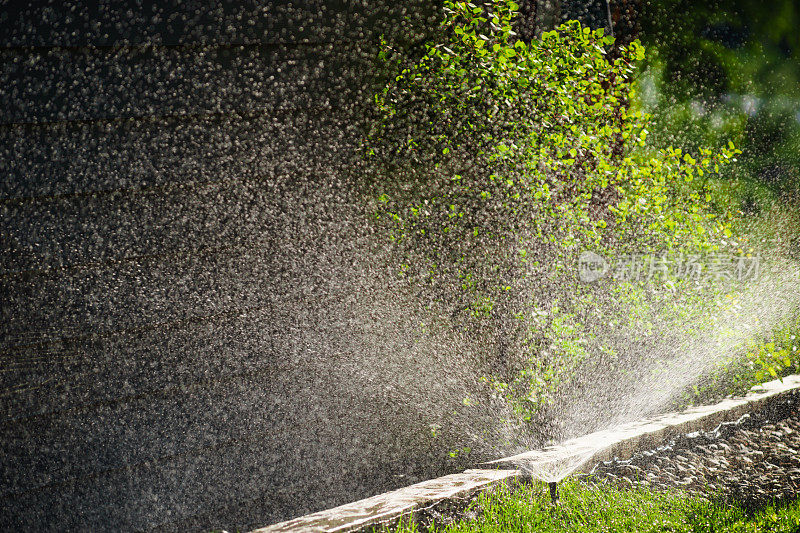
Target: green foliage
778	356
500	160
728	69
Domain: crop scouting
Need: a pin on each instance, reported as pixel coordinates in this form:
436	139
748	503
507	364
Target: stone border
625	440
391	506
621	442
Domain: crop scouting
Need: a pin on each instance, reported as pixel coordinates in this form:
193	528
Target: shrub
501	160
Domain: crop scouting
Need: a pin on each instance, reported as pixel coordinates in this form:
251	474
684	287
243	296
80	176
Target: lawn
601	507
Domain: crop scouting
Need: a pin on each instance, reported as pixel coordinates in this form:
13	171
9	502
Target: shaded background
729	69
179	260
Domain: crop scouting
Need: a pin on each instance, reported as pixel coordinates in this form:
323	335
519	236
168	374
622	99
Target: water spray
553	491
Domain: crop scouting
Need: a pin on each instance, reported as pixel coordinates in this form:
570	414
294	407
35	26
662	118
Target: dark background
173	318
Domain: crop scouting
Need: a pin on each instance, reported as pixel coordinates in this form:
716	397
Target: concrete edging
620	442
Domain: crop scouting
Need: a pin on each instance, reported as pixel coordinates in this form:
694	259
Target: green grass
605	508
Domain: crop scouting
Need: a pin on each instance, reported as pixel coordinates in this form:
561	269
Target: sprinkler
553	491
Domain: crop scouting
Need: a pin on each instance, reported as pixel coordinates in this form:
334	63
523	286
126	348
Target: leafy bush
501	160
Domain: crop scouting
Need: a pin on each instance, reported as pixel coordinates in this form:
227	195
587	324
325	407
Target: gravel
754	461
